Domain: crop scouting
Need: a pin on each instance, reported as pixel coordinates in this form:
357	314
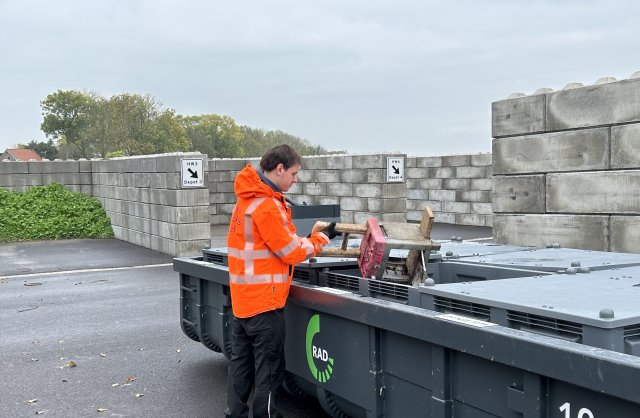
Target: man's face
286	177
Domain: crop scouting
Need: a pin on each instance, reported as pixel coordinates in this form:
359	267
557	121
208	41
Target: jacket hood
248	184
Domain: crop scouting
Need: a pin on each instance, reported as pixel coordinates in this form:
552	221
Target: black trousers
257	358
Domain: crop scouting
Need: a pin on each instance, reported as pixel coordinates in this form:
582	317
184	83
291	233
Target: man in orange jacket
262	249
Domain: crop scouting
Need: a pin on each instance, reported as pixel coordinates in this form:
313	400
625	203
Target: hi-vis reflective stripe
248	254
248	233
291	246
258	278
294	244
283	213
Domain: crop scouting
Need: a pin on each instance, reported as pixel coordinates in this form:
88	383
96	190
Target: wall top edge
449	155
167	154
570	86
318	156
131	157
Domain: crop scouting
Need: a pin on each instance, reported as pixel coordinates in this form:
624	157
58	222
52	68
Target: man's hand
330	231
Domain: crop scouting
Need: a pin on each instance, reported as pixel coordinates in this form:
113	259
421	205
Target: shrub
51	212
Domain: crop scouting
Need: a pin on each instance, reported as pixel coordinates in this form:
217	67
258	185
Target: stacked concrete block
73	175
357	182
457	188
222	173
21	175
566	167
147	205
15	176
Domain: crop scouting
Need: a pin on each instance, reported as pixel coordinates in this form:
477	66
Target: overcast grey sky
412	76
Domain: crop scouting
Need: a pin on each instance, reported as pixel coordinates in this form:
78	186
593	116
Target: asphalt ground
91	328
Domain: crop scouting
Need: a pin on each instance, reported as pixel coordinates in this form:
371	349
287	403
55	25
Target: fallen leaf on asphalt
178	361
101	410
41	412
71	363
139	395
64	380
130	379
32	400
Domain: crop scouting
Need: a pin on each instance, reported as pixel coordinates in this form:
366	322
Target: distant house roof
20	154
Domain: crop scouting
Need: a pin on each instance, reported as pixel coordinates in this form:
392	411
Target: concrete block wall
21	175
457	188
222	173
147	206
141	195
356	182
566	166
144	199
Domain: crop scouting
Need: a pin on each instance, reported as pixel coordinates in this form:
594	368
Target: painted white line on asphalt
478	239
55	273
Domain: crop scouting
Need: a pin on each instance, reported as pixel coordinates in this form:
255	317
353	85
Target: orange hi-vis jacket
263	247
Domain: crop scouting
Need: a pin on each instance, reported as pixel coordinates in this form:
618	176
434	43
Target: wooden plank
339	252
427	222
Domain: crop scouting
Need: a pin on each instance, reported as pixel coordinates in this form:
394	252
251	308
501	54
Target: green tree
257	141
133	115
86	124
46	150
100	127
214	135
138	125
167	133
65	115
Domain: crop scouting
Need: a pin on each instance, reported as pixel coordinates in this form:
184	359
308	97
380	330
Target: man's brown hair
280	154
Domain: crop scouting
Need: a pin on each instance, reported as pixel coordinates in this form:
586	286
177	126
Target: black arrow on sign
194	174
395	170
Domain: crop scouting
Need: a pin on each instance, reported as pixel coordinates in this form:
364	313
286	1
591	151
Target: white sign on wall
395	169
192	174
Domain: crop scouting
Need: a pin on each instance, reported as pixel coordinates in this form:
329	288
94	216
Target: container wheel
190	332
208	342
292	386
338	407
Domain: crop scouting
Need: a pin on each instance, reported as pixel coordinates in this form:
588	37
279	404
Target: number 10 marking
582	413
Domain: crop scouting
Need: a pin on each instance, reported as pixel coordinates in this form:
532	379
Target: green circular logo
316	353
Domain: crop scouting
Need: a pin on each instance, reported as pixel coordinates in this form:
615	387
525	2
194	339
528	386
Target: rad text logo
320	363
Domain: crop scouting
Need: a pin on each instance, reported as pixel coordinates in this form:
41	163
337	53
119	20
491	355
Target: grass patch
51	212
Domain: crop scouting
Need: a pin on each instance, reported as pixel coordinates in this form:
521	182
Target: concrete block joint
566	166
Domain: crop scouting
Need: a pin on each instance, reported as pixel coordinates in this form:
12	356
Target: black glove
330	231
